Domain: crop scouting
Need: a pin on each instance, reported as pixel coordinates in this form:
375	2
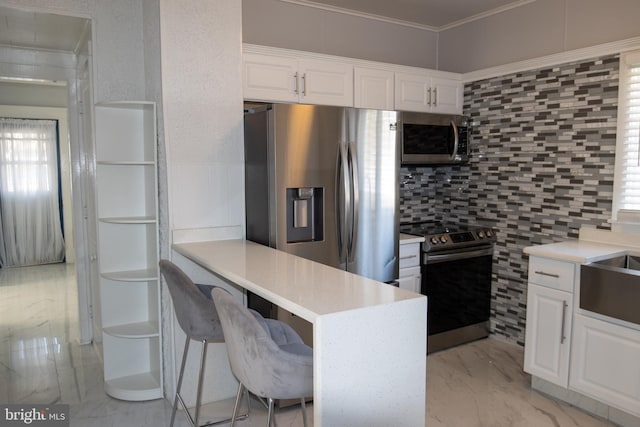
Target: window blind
627	174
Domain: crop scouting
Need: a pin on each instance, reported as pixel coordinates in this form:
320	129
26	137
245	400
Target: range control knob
489	233
481	234
434	240
443	239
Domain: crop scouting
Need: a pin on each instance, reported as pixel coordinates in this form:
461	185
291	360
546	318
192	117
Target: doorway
49	51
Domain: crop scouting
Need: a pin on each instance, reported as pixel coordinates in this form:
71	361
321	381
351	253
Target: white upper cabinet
281	75
278	78
448	95
270	78
373	88
425	93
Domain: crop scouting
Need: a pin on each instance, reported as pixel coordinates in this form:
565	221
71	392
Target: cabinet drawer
552	273
409	255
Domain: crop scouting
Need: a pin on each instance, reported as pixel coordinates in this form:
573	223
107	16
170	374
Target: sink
612	287
625	262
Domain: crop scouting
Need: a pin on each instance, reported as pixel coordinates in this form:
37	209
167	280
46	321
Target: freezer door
373	159
305	138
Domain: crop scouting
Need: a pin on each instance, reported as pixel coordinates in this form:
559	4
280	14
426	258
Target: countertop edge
406	239
578	251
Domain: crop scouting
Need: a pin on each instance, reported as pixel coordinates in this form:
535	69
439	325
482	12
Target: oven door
458	286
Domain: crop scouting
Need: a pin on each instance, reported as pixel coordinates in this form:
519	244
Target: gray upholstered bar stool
199	320
266	356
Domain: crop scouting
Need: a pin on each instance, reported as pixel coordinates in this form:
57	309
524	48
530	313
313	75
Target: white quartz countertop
410	238
579	251
303	287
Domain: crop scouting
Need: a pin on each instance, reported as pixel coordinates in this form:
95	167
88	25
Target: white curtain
30	224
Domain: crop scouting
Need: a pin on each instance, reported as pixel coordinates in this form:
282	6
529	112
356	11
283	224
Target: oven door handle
452	256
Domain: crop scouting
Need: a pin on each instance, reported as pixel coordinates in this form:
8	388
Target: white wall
292	26
200	47
203	112
537	29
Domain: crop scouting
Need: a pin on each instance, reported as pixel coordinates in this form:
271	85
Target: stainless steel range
456	268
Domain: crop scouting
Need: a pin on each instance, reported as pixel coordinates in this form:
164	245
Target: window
626	193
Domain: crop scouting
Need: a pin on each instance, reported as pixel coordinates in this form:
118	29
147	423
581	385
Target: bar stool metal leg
303	406
179	386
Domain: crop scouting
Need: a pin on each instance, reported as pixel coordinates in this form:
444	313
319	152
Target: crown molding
485	14
374	17
555	59
371	16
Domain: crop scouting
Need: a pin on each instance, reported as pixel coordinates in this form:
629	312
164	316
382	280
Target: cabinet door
413	92
325	83
270	78
446	96
547	338
409	278
373	88
606	363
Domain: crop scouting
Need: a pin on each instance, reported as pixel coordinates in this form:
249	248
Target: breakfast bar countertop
301	286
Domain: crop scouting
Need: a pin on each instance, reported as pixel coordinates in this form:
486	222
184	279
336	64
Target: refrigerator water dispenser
304	214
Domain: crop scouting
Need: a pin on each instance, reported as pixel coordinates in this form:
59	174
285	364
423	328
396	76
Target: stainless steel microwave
430	139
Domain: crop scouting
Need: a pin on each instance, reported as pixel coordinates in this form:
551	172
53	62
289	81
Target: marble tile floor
478	384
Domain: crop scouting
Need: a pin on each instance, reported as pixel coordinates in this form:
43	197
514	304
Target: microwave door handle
456	140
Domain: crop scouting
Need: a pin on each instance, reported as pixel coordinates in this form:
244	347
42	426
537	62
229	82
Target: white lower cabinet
409	273
605	363
410	279
547	338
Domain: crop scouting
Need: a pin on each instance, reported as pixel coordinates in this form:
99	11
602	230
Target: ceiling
44	31
35	30
434	14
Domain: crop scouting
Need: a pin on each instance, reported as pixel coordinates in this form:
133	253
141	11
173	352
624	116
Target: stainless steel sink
612	287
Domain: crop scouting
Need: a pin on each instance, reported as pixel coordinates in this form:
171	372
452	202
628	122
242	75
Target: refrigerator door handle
352	157
342	200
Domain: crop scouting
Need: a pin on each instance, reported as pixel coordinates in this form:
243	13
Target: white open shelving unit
127	206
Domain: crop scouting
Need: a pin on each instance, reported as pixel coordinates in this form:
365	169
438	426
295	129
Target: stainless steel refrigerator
322	183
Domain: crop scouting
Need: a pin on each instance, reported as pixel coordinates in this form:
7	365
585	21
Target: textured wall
543	160
536	29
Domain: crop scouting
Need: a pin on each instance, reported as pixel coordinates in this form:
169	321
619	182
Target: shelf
130	220
126	162
134	330
145	386
126	188
132	275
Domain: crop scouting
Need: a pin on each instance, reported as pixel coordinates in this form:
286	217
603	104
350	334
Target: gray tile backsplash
542	166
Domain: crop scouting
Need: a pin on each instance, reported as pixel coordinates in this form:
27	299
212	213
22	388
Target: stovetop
445	236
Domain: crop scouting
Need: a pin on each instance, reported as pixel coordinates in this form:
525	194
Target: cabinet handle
304	84
429	99
295	81
408	256
435	96
564	317
542	273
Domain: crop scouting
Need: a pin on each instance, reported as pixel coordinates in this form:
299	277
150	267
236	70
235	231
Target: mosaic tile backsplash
542	166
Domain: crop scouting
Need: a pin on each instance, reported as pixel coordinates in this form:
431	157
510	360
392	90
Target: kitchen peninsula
369	338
